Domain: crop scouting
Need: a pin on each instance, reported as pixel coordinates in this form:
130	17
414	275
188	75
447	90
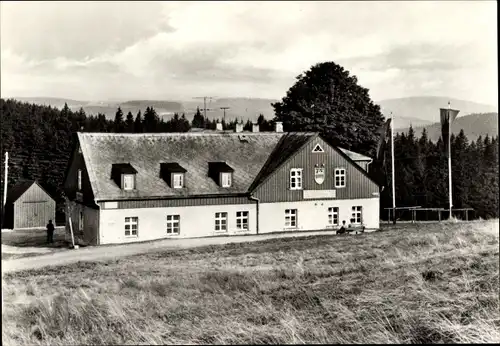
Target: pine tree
119	125
461	179
151	120
138	123
184	125
129	123
198	119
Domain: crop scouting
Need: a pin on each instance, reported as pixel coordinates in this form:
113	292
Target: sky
179	50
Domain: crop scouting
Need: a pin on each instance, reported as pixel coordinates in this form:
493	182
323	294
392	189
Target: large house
134	187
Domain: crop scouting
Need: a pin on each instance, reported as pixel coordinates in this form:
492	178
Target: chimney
278	126
218	127
255	127
239	127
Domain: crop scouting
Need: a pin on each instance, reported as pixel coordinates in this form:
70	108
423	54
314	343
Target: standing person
50	232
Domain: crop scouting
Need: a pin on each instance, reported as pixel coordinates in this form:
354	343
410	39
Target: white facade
194	221
313	215
200	221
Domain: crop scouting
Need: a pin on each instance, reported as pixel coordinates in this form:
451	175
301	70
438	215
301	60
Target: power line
205	109
224	108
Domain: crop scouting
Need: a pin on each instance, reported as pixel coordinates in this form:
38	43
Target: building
28	206
134	187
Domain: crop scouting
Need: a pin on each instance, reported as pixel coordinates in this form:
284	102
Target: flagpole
5	179
449	159
393	181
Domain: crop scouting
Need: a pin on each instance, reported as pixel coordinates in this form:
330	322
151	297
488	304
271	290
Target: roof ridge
189	134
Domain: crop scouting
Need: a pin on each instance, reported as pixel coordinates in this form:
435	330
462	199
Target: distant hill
424	110
474	125
52	101
241	108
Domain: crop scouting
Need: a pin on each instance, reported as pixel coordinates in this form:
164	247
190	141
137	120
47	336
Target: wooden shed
28	206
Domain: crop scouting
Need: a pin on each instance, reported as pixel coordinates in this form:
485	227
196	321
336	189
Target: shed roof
355	156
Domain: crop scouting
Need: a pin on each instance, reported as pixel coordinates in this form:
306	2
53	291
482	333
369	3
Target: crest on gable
318	149
319	175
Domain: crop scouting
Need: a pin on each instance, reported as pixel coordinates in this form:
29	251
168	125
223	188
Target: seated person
351	225
342	229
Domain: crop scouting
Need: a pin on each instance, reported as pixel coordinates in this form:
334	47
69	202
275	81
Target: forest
39	141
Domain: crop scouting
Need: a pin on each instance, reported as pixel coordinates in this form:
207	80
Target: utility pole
224	109
5	180
205	104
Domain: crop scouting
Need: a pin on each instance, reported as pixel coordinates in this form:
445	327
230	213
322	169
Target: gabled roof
355	156
251	161
192	151
20	188
289	144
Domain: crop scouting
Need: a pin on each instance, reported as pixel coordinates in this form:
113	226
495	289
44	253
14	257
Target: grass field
429	283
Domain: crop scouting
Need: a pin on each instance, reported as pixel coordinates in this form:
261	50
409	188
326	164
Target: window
178	179
242	220
356	215
79	180
291	218
80	223
226	179
318	149
173	224
333	216
131	225
128	181
296	179
339	177
220	222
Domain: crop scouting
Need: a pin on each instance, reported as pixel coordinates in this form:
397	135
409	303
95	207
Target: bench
355	229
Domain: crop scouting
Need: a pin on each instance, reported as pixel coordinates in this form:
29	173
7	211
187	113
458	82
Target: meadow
413	283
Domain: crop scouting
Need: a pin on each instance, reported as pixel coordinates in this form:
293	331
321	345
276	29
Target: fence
431	214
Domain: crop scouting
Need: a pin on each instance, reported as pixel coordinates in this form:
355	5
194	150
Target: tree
328	100
138	123
184	125
198	119
102	124
129	123
151	120
264	125
119	125
247	126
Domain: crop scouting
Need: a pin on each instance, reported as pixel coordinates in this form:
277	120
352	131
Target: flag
384	132
448	115
380	167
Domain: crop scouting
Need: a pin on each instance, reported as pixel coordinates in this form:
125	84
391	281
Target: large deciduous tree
329	100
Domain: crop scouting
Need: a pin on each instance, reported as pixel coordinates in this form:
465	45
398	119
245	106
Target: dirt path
100	253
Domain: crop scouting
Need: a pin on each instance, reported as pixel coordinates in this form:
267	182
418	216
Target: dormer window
128	182
226	179
221	173
173	174
124	175
178	179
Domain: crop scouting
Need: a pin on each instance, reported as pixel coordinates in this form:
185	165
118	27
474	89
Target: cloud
173	49
47	30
